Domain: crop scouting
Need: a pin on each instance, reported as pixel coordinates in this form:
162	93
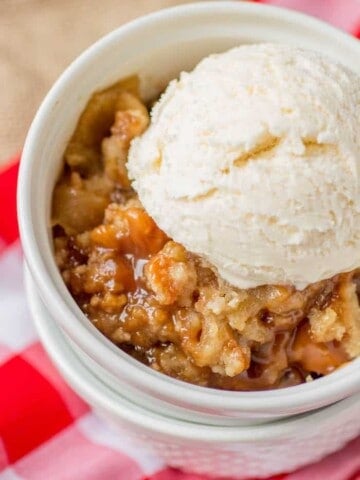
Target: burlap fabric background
38	39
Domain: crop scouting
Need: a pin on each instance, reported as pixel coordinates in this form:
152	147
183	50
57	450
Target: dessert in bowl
249	166
135	49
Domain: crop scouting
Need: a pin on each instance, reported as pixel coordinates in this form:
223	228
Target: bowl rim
102	395
328	389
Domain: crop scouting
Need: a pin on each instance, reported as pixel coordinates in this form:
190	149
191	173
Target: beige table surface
38	39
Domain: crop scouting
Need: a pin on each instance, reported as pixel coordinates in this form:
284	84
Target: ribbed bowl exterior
250	459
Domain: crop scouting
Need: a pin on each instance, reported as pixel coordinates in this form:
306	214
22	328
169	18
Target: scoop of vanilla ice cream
252	161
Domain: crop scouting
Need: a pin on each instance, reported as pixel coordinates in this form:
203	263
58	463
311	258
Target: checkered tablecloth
46	431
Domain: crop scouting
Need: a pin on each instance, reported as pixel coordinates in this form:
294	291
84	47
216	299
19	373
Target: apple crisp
164	305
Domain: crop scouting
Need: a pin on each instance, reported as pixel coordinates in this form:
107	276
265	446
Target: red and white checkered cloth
46	430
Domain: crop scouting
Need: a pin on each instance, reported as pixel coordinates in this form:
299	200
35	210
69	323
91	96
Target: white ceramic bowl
157	47
240	452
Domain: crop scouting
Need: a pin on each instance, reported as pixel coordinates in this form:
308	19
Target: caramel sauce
288	358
